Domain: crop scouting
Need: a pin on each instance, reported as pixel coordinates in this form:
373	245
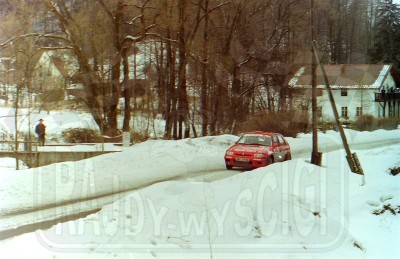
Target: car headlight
229	153
259	155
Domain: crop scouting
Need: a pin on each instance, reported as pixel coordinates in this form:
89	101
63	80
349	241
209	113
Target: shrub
365	123
52	95
324	126
138	137
81	135
369	123
388	123
289	123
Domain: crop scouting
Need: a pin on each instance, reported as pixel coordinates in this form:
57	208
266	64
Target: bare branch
244	62
110	14
141	36
134	19
29	35
203	16
56	48
156	35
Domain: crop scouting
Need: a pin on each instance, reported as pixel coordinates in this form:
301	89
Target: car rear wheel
229	167
288	157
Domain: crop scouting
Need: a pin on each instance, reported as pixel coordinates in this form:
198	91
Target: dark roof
345	76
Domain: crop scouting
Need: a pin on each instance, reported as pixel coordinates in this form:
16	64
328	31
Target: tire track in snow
9	221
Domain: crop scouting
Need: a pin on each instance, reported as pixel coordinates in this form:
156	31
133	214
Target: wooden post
384	103
352	159
315	155
398	108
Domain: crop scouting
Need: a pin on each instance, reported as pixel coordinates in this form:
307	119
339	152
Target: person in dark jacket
40	130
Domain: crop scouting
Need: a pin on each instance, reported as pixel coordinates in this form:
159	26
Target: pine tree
387	34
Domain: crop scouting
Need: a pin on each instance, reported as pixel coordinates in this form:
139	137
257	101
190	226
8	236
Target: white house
357	89
51	71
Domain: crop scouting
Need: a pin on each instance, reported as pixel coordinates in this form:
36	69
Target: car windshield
250	139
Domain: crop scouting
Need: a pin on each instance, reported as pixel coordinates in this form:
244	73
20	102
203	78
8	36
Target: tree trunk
161	77
169	111
204	75
127	92
183	105
115	73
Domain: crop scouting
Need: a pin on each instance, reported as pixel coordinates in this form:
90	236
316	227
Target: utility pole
352	158
315	155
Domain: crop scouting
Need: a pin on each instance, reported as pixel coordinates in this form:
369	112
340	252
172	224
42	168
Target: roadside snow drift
135	167
290	209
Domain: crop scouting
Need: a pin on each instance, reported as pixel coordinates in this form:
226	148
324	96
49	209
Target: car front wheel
270	161
288	156
229	167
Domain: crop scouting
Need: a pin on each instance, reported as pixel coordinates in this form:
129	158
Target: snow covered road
373	143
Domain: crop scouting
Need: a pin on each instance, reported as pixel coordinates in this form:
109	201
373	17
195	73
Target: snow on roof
370	76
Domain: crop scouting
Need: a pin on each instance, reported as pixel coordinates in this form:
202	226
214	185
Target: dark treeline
213	63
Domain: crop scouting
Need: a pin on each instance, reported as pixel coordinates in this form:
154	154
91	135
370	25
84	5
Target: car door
276	147
283	147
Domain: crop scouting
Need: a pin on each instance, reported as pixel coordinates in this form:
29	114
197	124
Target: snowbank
134	167
286	209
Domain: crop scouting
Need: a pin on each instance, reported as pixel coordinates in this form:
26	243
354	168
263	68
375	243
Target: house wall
388	83
47	76
364	98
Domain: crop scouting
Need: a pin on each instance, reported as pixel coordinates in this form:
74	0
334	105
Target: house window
319	112
358	111
343	92
344	111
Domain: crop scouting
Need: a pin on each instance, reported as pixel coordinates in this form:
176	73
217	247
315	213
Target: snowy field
58	121
286	210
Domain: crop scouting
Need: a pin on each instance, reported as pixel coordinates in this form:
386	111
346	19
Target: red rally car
257	149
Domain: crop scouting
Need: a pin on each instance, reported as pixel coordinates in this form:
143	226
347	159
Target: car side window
281	140
276	141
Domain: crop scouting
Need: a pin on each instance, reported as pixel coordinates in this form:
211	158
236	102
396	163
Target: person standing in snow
40	130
